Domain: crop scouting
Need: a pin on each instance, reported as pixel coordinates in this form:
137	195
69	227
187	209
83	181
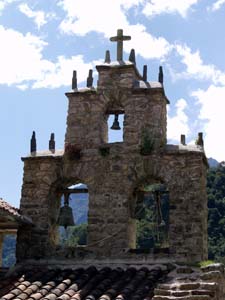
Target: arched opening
115	127
73	216
114	117
151	212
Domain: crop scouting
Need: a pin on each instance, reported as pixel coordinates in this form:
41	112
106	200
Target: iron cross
119	39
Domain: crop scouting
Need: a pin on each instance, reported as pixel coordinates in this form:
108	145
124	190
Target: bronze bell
116	125
66	214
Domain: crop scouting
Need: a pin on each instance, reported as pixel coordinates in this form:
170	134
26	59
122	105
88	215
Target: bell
66	214
116	125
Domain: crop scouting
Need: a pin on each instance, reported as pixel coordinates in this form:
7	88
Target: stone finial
90	79
132	56
160	75
107	57
199	140
51	144
145	71
33	143
119	39
182	139
74	80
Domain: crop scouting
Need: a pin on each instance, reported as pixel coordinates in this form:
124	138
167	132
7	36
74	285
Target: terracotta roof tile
8	208
13	212
82	284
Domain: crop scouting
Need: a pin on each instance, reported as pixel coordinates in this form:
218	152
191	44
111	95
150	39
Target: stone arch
149	202
115	102
55	195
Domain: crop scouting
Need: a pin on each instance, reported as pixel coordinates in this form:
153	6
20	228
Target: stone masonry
114	172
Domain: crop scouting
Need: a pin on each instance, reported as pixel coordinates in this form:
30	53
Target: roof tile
82	284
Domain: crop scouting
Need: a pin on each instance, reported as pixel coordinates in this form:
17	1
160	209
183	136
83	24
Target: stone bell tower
117	174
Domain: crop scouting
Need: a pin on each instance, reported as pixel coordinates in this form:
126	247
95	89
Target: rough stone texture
1	248
195	286
113	179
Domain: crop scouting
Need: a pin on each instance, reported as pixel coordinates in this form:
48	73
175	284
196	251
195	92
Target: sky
43	41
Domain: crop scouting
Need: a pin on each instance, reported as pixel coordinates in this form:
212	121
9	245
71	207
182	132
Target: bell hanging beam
116	124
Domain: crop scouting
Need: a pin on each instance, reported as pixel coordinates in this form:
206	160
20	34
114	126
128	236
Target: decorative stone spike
145	70
182	139
33	143
160	75
200	141
132	56
52	142
107	57
90	79
74	80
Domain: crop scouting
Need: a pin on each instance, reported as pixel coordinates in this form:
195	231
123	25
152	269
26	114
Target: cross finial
119	39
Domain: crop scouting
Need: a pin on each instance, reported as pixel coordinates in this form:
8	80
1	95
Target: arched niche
149	211
114	116
76	197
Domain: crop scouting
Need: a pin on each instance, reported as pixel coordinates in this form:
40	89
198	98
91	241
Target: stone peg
160	78
145	72
33	143
90	79
182	139
51	145
74	80
132	56
107	57
199	140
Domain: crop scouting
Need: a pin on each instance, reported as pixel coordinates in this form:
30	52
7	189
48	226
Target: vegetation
147	143
205	263
216	218
151	231
74	235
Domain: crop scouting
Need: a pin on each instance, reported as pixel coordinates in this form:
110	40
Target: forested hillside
216	220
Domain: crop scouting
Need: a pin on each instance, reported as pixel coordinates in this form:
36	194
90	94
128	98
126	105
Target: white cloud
40	17
178	124
22	87
157	7
80	20
20	57
4	3
61	74
216	5
22	63
212	110
195	68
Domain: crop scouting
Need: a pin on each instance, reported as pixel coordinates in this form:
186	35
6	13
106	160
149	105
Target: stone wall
143	108
111	182
41	204
192	283
113	172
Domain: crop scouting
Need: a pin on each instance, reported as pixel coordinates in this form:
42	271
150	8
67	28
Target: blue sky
42	42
